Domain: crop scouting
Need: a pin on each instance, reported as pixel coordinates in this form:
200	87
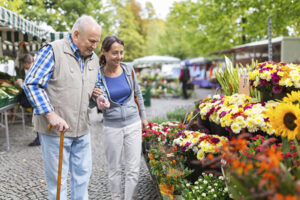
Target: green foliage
13	5
206	26
177	115
193	27
159	120
61	15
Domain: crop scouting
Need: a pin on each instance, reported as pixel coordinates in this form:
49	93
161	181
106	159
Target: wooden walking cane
61	148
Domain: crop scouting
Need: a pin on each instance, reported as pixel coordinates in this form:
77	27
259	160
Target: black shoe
35	142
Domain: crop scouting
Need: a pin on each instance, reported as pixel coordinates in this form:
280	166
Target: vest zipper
82	84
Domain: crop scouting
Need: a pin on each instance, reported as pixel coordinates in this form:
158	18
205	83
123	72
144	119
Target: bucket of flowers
274	80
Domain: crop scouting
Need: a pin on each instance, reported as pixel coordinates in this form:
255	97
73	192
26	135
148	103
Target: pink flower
275	78
215	140
263	82
277	89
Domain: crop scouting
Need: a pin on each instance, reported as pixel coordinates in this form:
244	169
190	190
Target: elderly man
59	87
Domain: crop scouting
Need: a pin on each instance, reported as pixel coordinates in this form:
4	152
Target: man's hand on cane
56	121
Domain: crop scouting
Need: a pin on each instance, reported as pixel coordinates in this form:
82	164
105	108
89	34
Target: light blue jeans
77	159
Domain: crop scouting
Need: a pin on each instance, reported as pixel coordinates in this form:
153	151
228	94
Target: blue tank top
118	88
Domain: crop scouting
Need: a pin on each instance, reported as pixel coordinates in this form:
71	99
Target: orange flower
263	166
288	197
274	155
271	177
151	156
210	156
167	190
153	162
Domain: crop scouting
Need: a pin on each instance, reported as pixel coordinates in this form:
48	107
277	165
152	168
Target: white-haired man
59	87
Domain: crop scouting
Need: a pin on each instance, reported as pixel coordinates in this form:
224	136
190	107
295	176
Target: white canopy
154	60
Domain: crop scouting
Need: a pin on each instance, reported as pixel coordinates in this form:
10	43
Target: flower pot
267	96
218	130
145	147
203	123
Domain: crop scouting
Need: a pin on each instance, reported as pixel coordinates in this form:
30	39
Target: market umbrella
154	60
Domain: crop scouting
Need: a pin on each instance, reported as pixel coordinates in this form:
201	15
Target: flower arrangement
199	143
164	132
237	113
167	167
260	169
285	118
229	77
207	187
275	78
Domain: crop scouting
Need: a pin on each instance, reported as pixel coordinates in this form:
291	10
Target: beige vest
69	90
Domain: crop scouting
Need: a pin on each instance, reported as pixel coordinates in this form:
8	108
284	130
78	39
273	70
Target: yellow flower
200	155
292	97
285	119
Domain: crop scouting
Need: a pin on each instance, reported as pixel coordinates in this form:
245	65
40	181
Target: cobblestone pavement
21	168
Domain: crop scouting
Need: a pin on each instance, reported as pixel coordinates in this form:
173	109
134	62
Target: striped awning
14	28
56	36
13	21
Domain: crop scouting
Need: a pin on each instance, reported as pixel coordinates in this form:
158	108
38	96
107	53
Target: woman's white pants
127	140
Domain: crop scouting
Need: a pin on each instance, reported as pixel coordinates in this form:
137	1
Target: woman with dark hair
123	120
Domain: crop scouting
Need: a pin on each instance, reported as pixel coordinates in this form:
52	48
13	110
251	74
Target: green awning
14	28
10	21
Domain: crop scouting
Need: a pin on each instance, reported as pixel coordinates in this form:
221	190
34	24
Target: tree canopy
193	27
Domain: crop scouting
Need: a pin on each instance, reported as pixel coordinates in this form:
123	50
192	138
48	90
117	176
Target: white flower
236	128
209	187
215	196
205	182
210	175
203	194
188	185
221	177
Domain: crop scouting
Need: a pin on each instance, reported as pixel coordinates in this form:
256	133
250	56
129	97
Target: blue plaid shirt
39	75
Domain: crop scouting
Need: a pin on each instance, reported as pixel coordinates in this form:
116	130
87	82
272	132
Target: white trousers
129	140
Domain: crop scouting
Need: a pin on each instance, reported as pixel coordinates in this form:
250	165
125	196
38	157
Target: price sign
244	83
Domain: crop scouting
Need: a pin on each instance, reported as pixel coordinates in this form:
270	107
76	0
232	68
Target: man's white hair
82	23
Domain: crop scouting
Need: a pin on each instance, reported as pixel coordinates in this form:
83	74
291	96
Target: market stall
233	145
158	76
16	35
